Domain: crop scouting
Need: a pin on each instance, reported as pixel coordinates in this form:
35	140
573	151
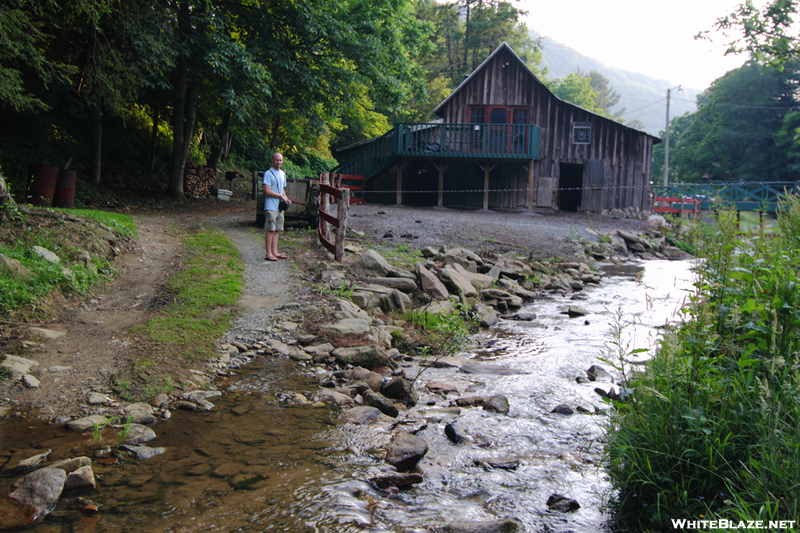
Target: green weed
714	427
203	292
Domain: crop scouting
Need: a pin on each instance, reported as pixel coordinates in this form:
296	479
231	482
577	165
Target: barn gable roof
505	46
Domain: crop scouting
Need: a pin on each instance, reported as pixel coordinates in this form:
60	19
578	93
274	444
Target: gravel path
540	233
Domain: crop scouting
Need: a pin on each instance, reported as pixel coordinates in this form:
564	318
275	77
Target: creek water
258	463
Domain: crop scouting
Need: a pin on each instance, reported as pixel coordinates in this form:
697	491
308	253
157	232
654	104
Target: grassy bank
713	430
85	242
198	300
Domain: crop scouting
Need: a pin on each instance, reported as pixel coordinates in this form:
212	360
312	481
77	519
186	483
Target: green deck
478	142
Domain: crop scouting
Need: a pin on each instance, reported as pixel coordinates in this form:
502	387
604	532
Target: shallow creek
254	463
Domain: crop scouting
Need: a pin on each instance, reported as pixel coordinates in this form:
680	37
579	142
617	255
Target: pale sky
652	38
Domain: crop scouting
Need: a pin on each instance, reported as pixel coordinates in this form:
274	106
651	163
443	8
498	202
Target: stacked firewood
199	181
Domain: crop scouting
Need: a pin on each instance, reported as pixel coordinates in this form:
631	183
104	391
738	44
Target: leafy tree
577	89
605	96
22	53
768	34
732	136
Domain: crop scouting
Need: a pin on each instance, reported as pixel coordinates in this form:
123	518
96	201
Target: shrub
714	427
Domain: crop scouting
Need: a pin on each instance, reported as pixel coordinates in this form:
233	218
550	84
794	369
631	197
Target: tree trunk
97	141
154	132
276	128
178	151
227	150
190	116
224	132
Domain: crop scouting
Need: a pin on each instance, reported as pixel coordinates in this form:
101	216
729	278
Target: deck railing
444	140
479	141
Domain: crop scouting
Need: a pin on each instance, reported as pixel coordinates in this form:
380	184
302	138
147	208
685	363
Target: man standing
274	183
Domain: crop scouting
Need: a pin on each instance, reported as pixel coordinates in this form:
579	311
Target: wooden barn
504	141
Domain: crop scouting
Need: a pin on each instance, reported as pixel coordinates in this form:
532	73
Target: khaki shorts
273	220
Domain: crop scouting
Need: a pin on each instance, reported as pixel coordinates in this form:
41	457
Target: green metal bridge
741	196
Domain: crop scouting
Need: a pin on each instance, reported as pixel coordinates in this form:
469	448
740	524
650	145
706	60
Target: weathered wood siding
624	153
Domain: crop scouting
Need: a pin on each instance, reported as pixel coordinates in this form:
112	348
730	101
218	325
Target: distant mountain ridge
643	98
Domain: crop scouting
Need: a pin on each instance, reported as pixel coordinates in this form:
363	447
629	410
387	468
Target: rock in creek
405	451
575	312
142	452
475	526
80	479
369	356
359	374
138	413
138	434
23	461
402	390
483	368
470	401
35	496
562	504
380	402
496	404
563	409
598	373
384	481
503	463
87	423
363	415
455	433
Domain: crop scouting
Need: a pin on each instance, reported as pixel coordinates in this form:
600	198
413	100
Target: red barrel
64	195
43	184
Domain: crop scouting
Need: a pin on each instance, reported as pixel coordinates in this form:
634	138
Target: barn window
581	132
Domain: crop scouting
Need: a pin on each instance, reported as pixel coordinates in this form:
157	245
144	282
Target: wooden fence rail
326	220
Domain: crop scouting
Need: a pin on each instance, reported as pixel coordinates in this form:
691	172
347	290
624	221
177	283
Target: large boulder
405	451
479	281
431	284
18	367
372	265
40	491
348	309
402	390
478	526
11	268
401	284
496	404
486	315
348	326
358	374
370	356
457	283
380	402
364	415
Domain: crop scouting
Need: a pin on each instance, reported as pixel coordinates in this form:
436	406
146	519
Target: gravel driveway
541	233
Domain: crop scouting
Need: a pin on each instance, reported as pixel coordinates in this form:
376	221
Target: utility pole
666	141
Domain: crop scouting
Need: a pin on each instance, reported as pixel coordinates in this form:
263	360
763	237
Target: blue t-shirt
276	179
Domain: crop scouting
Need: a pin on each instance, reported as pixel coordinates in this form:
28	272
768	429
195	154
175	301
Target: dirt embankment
90	344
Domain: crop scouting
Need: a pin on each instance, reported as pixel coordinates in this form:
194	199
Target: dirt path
91	344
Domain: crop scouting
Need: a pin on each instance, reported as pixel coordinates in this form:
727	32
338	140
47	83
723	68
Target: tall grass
713	430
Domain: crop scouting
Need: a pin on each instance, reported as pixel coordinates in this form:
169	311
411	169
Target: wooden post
529	169
338	253
486	170
399	199
255	185
441	168
324	205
